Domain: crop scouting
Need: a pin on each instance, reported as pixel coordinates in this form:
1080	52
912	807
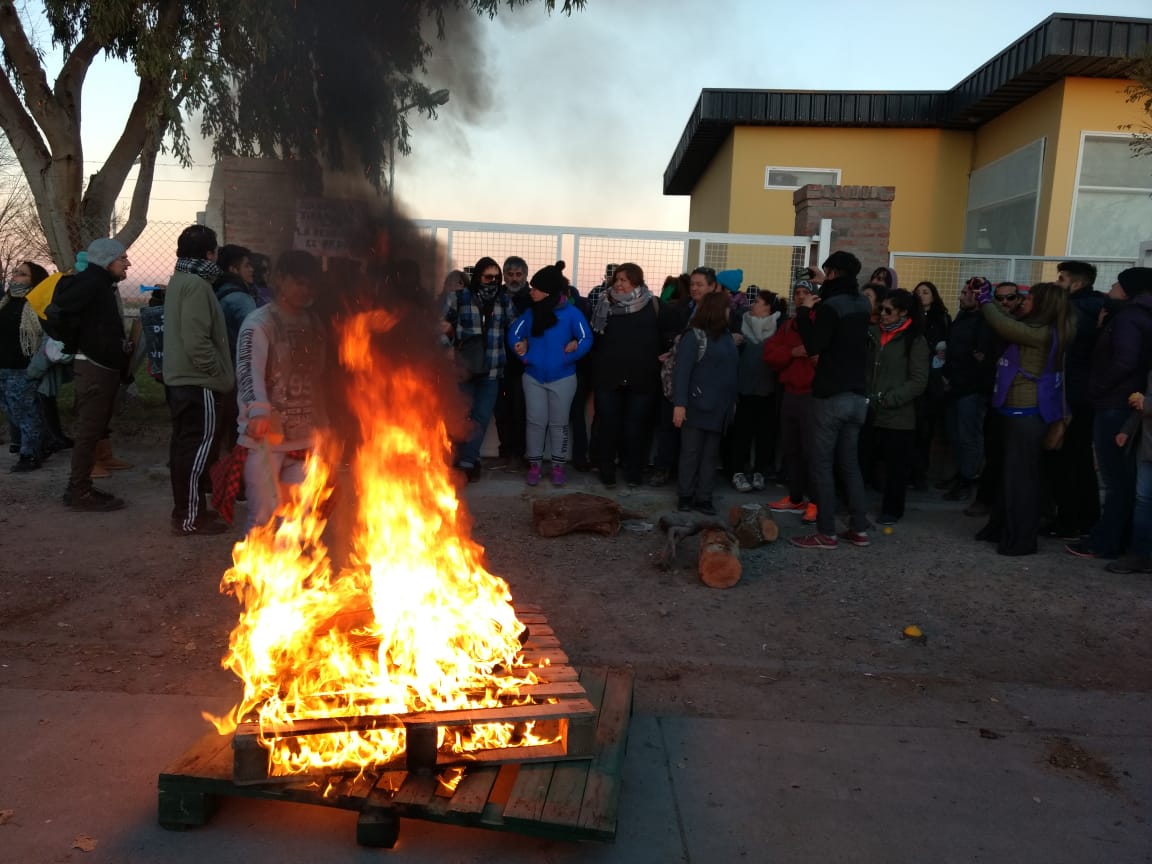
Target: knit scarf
888	331
544	313
202	267
757	330
623	304
29	321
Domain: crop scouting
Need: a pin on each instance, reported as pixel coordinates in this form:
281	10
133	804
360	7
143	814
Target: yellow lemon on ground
887	529
913	632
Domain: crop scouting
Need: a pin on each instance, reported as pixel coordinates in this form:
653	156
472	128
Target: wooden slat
566	794
418	790
526	802
211	756
472	793
602	793
545	656
541	629
527	609
537	641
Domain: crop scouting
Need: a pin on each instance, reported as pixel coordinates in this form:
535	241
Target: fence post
576	258
824	242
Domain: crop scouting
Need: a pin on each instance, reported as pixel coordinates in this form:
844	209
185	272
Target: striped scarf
619	304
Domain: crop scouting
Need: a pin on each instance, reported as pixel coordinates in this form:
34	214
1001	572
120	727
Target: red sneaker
787	505
815	541
856	538
809	517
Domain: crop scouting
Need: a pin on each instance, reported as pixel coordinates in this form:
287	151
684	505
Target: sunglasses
886	310
489	277
1006	298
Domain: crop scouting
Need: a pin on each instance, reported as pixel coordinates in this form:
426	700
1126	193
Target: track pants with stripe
195	425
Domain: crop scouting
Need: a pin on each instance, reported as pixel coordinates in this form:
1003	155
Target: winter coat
1035	341
237	303
897	374
966	374
90	299
627	353
706	387
837	332
1122	356
1140	424
1088	303
546	360
195	336
795	373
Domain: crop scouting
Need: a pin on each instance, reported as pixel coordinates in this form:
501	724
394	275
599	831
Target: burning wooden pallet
566	790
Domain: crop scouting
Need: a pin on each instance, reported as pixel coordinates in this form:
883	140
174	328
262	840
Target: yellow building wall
711	198
928	167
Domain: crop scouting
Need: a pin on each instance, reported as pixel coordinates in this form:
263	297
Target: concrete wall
252	202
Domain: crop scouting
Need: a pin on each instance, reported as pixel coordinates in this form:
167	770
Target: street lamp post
435	100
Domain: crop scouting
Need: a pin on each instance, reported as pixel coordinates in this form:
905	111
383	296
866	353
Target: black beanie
550	279
1135	280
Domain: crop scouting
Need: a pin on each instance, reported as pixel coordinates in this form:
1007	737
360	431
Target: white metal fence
948	272
769	261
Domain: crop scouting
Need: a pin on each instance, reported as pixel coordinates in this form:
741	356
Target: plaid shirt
466	317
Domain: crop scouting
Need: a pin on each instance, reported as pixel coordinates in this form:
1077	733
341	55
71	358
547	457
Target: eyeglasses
489	277
886	310
1006	298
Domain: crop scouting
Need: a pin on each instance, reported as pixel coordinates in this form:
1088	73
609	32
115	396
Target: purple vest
1049	384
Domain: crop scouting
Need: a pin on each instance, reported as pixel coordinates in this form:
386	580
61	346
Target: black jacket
628	352
1078	358
88	302
965	373
837	332
1123	355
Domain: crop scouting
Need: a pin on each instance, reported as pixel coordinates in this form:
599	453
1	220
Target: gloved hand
985	293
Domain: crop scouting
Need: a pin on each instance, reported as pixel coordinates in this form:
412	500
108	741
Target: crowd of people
1041	392
1038	391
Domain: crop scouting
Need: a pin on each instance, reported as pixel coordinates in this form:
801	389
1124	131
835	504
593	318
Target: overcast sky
572	121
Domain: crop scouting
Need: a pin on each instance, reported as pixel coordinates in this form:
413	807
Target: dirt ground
113	602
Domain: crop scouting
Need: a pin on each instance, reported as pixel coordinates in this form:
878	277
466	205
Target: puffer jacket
796	373
1123	354
897	374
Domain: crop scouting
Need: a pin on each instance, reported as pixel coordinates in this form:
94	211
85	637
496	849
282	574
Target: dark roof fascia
1063	45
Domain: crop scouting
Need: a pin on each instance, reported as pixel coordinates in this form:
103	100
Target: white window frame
1043	139
1085	134
770	168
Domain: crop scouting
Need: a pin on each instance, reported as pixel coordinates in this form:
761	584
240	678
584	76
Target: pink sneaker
559	478
815	541
856	538
533	474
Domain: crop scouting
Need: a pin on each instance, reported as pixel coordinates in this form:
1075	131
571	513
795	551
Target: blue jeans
18	398
966	433
1142	514
1117	468
834	435
482	393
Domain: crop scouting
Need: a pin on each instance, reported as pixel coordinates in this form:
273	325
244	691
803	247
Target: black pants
1072	469
992	477
754	429
794	443
699	456
192	450
510	412
667	438
895	448
623	429
1016	514
96	390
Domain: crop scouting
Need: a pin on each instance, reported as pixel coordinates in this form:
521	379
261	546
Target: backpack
668	364
58	326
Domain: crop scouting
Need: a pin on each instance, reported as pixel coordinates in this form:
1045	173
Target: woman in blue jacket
549	337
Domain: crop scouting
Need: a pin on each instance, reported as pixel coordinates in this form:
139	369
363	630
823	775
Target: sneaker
475	473
202	528
815	541
1080	549
787	505
559	478
810	513
856	538
684	505
533	476
887	519
758	481
1130	564
25	464
93	500
659	477
740	482
704	507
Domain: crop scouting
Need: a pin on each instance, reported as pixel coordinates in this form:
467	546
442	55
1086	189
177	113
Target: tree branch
138	211
37	94
70	81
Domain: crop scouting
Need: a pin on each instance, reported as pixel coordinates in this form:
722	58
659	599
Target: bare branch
37	94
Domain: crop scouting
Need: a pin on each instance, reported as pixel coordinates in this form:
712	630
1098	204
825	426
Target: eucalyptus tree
298	79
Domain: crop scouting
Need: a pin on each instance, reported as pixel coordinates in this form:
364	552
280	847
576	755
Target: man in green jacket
197	371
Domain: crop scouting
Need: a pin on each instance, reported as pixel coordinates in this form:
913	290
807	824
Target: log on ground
577	511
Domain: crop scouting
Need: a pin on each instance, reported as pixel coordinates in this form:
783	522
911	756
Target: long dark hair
478	271
937	306
38	273
712	314
1052	308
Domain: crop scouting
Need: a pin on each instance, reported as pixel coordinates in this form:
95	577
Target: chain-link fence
949	272
768	261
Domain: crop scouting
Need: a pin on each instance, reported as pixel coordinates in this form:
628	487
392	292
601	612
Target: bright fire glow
414	622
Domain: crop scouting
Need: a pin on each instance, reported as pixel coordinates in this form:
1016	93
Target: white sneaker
757	481
741	482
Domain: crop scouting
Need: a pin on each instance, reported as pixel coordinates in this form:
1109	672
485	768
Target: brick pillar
252	202
861	219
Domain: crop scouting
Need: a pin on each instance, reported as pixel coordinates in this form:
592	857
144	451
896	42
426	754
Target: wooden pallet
559	708
570	799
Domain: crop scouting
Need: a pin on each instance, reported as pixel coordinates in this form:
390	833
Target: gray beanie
104	250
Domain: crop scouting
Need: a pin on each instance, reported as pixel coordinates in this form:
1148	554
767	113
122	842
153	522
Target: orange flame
413	623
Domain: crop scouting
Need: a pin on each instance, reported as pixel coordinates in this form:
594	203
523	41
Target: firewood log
578	511
719	565
753	525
